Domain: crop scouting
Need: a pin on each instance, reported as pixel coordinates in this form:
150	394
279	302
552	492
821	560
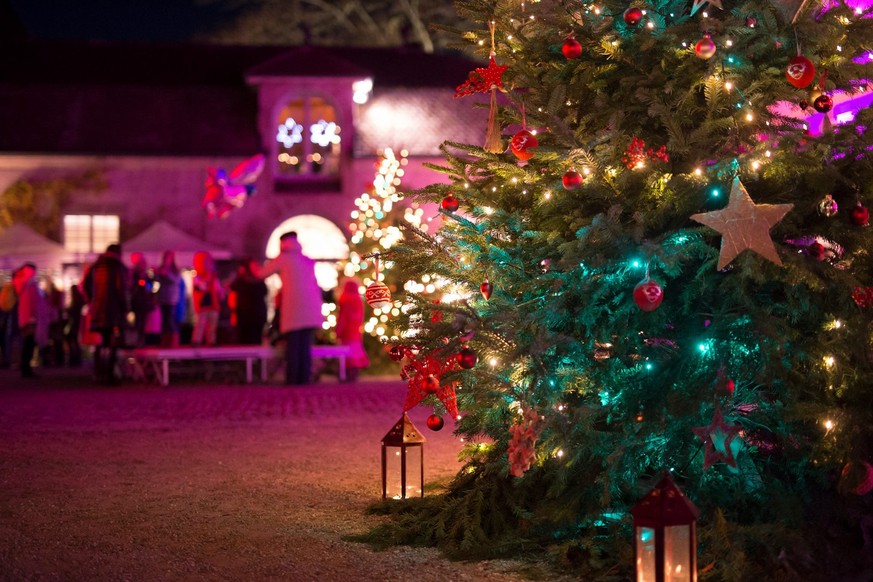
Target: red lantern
648	294
572	180
435	422
485	288
860	216
571	49
705	48
450	203
633	16
467	358
665	538
521	144
800	71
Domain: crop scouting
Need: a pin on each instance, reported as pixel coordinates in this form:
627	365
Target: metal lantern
403	461
665	540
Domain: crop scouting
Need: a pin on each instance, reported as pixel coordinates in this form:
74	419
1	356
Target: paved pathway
204	482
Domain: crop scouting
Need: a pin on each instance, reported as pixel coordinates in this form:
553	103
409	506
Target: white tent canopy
163	236
20	244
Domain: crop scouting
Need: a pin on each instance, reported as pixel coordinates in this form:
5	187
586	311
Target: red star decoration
482	80
720	441
420	368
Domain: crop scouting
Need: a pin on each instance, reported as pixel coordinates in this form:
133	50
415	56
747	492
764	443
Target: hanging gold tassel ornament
484	80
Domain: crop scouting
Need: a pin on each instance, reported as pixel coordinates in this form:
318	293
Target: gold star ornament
744	225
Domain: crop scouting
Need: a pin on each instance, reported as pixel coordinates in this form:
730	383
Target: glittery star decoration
421	368
482	79
720	441
698	4
744	225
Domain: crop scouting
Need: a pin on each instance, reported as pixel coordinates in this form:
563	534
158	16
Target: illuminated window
308	139
86	233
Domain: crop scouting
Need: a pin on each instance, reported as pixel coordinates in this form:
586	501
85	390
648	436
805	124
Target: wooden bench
157	360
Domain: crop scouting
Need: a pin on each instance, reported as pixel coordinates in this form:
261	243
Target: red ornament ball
730	386
648	295
430	384
435	422
860	216
571	49
485	288
705	48
467	358
633	16
378	295
823	103
521	144
572	180
450	203
800	72
857	478
395	353
817	251
804	104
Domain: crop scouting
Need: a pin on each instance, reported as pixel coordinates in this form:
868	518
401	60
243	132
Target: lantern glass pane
677	553
393	487
413	472
645	554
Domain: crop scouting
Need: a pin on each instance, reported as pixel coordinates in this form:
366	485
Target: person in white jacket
300	306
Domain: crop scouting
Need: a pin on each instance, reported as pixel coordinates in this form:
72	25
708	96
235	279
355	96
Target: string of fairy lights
747	113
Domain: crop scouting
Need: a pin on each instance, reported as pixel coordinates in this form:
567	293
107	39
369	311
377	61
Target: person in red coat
350	326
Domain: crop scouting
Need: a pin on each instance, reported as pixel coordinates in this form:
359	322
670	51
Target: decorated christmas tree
659	262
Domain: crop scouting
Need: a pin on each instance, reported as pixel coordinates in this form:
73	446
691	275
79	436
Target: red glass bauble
860	216
804	104
571	49
450	203
485	288
823	103
705	48
800	72
435	422
521	144
817	251
430	384
857	477
572	180
648	295
633	16
378	295
395	353
730	385
467	358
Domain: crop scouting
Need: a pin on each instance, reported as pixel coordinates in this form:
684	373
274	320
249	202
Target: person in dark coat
107	288
248	302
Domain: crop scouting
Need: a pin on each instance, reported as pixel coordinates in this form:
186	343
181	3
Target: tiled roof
103	98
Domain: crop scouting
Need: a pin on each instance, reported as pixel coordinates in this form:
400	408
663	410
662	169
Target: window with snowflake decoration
308	139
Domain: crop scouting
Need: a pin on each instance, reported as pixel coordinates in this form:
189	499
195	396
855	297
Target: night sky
114	20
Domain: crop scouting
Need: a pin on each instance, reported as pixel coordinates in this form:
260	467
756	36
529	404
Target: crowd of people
116	306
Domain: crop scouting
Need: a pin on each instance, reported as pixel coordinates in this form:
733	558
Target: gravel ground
200	481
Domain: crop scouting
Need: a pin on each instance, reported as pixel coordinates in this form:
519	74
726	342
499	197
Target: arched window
308	139
321	240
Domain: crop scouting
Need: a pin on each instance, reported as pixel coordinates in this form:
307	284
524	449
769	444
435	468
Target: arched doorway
321	240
